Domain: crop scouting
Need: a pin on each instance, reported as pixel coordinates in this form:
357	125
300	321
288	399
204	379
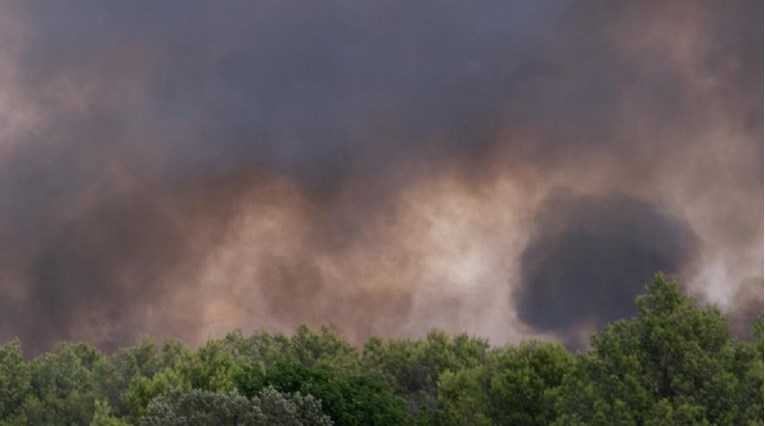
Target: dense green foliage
190	407
674	363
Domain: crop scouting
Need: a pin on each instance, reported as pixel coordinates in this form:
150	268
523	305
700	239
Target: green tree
15	378
674	361
305	346
517	385
323	347
190	407
63	390
348	399
749	372
143	390
212	367
103	416
412	368
290	409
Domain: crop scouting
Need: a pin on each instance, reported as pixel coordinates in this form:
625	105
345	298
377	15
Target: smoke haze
509	169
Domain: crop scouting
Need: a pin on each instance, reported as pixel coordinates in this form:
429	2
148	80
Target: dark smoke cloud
186	167
590	256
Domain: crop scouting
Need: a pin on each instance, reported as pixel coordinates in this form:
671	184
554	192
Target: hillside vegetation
674	363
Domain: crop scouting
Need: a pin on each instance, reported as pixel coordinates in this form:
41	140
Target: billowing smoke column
590	256
187	168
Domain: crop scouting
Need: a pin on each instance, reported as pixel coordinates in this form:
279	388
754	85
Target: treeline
674	363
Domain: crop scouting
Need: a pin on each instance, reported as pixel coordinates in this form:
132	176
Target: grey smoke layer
184	168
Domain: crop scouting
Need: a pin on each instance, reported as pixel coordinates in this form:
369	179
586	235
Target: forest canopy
673	363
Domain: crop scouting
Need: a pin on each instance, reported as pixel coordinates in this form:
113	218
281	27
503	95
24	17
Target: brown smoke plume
185	168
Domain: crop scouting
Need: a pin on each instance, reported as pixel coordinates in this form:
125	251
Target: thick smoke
590	256
185	168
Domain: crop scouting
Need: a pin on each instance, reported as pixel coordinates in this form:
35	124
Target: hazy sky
509	169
